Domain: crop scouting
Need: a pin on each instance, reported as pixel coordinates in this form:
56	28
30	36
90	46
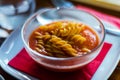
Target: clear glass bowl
55	14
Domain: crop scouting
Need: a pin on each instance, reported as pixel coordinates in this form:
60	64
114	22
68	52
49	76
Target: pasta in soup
63	39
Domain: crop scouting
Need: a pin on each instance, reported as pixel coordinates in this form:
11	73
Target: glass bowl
49	15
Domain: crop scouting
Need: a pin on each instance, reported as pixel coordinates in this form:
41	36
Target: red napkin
23	62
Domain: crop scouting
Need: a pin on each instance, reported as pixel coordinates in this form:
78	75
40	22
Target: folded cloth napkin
23	62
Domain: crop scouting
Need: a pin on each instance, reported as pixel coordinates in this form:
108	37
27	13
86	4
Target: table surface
47	3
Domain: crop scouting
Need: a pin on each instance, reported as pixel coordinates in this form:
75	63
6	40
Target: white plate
13	45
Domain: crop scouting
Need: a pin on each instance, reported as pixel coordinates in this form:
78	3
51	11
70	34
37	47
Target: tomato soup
63	39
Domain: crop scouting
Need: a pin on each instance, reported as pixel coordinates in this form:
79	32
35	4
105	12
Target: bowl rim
55	58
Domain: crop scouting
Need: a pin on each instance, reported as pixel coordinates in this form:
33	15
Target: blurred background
108	4
13	14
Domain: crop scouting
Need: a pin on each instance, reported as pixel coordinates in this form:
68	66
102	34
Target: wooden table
47	3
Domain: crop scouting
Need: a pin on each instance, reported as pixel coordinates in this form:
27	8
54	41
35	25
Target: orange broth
91	42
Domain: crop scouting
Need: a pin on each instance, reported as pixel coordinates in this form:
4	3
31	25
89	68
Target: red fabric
106	17
23	62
